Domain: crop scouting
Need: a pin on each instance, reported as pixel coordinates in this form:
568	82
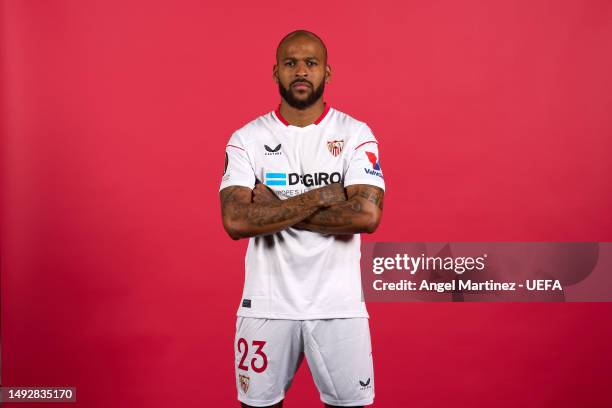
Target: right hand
331	194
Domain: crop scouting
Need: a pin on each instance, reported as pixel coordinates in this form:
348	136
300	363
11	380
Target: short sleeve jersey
298	274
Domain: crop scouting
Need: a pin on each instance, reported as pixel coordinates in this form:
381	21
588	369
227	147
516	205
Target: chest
291	163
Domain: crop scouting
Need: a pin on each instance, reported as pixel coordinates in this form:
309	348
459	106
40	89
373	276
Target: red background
117	277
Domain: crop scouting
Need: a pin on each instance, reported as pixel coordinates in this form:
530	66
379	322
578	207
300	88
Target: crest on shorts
244	382
335	147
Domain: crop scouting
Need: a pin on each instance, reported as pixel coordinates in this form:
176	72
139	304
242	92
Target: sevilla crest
244	382
335	147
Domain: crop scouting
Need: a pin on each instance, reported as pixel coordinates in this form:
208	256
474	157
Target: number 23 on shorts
243	347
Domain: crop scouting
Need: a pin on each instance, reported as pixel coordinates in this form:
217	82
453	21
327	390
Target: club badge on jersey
335	147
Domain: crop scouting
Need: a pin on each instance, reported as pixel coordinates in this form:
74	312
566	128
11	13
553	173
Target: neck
304	117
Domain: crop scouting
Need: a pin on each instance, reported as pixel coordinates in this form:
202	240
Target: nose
301	70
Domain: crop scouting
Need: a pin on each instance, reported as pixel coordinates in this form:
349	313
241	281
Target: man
302	182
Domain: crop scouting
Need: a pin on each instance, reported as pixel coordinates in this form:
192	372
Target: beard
301	104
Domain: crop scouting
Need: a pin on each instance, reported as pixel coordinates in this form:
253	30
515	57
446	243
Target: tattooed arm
244	217
360	213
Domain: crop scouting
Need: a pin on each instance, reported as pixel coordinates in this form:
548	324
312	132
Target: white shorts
268	352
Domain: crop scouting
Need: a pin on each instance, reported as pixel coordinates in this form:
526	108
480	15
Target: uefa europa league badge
335	147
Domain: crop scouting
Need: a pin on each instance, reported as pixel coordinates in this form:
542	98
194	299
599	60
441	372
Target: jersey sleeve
364	164
238	170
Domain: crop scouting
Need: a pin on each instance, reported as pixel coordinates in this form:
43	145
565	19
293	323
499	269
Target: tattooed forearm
375	196
360	213
337	215
266	214
244	218
227	195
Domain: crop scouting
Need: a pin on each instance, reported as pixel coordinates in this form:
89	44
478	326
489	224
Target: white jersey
297	274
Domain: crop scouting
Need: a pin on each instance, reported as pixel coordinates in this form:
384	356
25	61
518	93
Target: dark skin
243	217
332	209
362	208
301	58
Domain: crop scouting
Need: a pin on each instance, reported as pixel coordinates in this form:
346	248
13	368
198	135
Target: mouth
299	86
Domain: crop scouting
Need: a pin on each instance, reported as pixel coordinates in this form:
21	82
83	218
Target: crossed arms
331	209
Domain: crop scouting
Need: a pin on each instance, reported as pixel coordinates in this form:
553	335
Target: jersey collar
316	122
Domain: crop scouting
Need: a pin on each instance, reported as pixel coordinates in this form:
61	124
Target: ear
328	73
275	73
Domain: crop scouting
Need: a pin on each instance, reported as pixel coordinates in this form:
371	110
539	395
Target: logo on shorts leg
365	385
244	382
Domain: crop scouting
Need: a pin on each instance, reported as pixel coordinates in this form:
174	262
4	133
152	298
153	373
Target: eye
311	63
289	63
